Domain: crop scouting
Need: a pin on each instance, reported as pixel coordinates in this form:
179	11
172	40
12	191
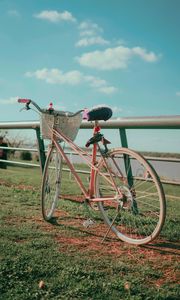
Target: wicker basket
67	124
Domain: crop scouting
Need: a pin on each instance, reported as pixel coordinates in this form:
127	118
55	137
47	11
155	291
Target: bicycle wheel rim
51	184
137	213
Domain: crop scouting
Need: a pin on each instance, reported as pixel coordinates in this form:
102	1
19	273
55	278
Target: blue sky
80	53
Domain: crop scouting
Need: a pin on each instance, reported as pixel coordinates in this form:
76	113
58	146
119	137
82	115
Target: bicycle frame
90	160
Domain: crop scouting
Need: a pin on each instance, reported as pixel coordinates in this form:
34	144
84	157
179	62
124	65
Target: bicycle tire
137	213
51	183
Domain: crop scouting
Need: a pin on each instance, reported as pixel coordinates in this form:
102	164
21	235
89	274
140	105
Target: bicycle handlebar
24	100
51	110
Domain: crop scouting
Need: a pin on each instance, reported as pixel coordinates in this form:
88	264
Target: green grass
71	260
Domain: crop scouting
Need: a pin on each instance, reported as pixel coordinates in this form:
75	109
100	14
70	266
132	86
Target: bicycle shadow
89	231
164	247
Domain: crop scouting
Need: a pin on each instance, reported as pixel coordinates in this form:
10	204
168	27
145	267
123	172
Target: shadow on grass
96	233
165	247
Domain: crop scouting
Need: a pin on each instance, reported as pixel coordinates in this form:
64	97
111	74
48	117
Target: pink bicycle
123	184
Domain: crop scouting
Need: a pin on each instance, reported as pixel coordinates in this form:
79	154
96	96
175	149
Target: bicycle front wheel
51	183
133	203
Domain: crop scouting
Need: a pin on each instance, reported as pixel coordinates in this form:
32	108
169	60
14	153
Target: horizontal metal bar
19	149
158	122
25	164
12	162
20	125
151	158
166	159
161	122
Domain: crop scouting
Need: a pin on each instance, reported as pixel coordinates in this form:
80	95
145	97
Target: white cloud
74	77
11	100
56	76
87	33
95	82
90	26
178	93
90	34
147	56
111	58
100	85
114	58
89	41
108	90
55	16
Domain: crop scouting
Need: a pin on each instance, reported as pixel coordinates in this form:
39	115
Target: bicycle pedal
88	223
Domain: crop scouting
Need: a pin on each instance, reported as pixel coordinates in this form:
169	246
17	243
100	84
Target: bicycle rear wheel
137	209
51	183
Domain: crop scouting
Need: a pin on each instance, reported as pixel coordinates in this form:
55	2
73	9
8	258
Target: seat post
97	128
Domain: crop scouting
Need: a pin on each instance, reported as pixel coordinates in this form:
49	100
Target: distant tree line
161	154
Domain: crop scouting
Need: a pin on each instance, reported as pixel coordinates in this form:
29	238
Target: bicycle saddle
99	113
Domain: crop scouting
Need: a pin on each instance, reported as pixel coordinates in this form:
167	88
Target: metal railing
161	122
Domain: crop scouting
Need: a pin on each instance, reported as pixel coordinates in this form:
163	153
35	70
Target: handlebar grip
24	101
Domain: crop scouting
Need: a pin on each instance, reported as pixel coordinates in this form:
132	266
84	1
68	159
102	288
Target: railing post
41	149
123	137
127	162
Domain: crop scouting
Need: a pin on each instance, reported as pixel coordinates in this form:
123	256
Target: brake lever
26	107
